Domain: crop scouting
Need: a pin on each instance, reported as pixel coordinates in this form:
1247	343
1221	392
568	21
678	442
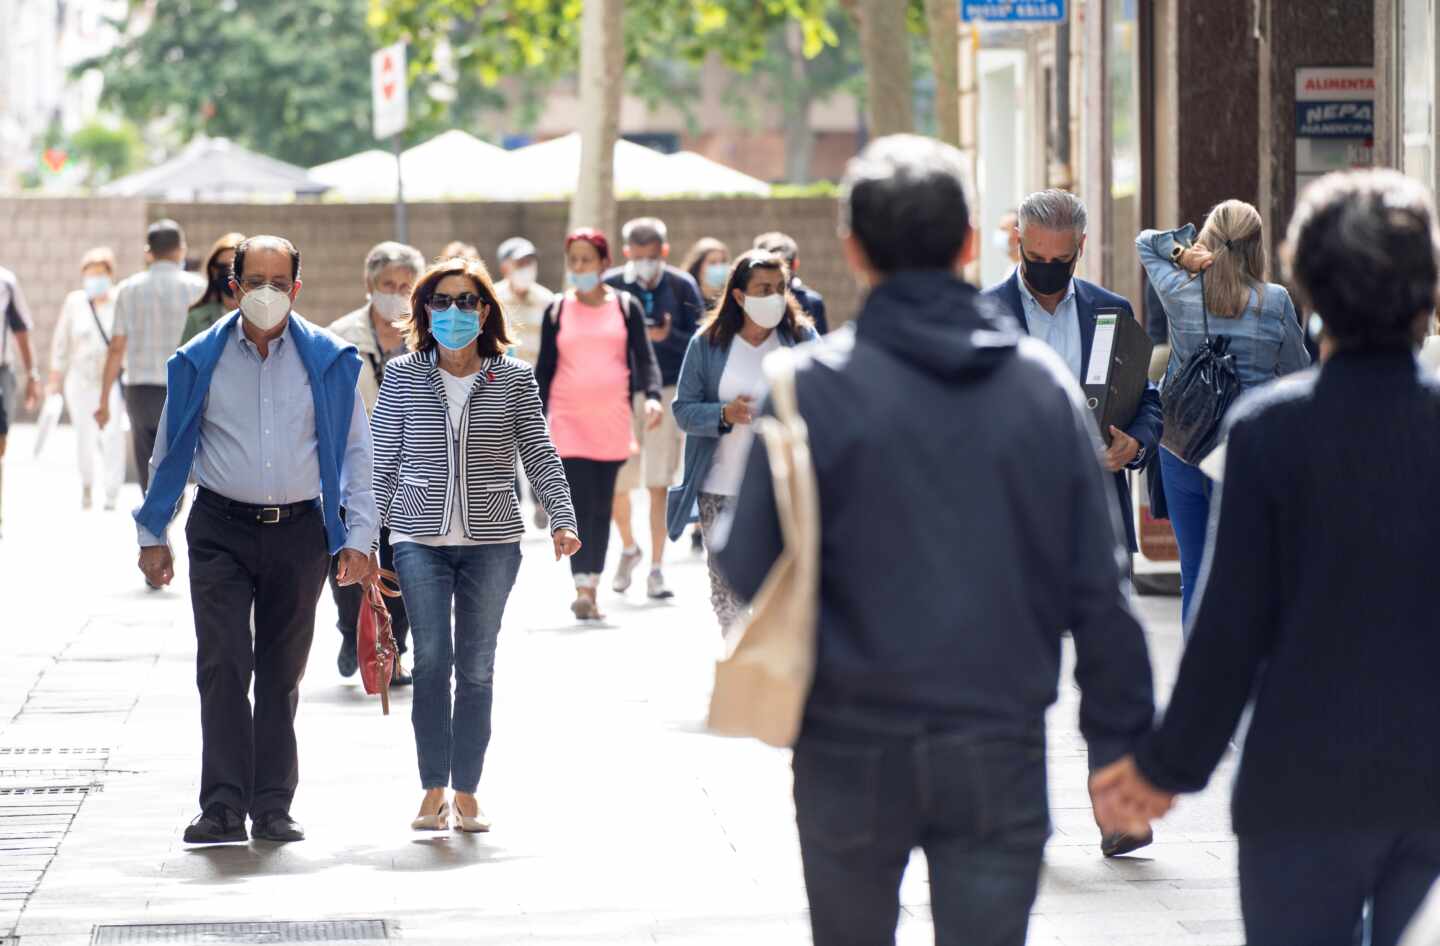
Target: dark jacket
676	295
1148	423
813	303
1318	602
965	524
644	374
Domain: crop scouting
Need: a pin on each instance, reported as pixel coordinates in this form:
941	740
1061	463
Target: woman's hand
566	543
739	411
1196	259
654	413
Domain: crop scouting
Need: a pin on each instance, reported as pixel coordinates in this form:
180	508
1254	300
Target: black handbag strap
104	335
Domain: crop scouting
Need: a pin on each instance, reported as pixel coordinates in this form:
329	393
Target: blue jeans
976	806
476	581
1187	493
1309	889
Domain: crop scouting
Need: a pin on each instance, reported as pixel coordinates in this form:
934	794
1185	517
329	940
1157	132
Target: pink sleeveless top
590	395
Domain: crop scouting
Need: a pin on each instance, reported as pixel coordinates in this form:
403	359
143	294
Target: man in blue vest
263	409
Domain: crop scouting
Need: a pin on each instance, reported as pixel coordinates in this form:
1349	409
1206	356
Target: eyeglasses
251	283
465	302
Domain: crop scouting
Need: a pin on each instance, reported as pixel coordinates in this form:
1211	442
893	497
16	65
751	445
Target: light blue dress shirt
1060	331
257	439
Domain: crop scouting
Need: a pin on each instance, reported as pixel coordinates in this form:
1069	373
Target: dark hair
903	198
164	236
214	293
281	244
1361	251
703	247
644	231
494	331
781	244
727	318
592	236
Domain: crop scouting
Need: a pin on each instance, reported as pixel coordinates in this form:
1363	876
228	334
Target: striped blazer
417	457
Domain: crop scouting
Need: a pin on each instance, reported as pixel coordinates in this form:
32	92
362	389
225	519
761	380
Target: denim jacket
1265	340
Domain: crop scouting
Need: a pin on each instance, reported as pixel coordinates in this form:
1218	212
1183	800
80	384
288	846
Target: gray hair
387	254
644	231
1054	209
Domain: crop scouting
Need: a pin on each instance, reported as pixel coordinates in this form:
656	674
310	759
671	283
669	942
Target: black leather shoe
1114	845
216	825
348	662
276	826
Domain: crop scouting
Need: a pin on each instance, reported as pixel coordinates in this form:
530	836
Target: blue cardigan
697	411
333	367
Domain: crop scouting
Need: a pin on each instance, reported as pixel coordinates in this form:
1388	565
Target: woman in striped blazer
451	417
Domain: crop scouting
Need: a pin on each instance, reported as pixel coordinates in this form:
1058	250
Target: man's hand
157	565
1122	451
1124	802
658	333
354	568
654	414
32	393
566	543
739	411
1196	259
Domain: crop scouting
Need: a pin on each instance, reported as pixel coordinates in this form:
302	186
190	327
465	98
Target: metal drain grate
281	931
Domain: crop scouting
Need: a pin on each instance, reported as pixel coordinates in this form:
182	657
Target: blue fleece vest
333	368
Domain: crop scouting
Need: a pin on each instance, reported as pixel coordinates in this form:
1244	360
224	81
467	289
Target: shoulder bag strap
104	335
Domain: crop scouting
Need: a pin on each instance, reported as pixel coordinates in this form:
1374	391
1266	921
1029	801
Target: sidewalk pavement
617	820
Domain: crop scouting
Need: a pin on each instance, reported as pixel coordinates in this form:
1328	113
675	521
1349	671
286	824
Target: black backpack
1196	398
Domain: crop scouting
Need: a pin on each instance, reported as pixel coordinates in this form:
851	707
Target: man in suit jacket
1050	303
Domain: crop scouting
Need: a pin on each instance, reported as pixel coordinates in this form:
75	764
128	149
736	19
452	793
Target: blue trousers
1187	493
474	582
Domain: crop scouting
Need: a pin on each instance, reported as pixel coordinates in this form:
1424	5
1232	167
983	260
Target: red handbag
375	642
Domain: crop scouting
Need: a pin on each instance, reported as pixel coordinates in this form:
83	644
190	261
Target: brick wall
42	240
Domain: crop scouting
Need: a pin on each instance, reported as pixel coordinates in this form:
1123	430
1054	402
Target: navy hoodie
966	523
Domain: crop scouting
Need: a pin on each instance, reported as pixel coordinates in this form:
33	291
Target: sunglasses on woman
465	302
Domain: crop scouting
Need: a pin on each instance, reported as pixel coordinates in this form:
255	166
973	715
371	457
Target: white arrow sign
387	90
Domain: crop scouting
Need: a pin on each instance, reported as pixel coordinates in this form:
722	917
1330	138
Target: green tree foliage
288	78
107	151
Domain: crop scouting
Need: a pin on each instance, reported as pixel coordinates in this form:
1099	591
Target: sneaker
87	498
655	587
625	573
112	500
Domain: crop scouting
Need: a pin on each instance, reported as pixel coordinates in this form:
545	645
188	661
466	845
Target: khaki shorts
657	466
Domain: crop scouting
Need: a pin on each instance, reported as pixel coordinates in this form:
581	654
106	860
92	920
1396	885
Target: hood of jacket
938	323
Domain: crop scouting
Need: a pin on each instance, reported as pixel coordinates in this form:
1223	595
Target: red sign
55	158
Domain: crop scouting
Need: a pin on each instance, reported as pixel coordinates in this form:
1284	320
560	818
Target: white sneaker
655	586
625	572
87	498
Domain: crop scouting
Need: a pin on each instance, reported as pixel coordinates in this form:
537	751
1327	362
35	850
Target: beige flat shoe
440	821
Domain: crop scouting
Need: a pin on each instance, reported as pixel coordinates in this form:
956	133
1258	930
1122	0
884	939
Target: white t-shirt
457	392
743	375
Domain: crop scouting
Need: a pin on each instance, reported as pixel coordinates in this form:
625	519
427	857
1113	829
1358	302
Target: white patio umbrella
454	164
700	175
369	175
551	169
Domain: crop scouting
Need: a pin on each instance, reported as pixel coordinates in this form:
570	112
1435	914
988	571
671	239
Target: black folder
1119	369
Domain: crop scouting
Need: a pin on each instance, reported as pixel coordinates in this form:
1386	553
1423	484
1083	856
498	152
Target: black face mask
1047	279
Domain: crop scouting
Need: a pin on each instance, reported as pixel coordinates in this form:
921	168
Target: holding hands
1125	802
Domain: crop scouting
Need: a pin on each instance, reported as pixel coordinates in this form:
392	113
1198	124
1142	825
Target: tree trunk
885	46
796	98
602	79
944	18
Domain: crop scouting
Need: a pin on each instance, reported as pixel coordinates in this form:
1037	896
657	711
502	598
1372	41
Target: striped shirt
418	455
150	311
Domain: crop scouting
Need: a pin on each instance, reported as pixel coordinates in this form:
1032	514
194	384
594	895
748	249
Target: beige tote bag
763	682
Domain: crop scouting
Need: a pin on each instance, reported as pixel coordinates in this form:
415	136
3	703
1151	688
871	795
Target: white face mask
265	307
647	271
392	306
523	278
765	311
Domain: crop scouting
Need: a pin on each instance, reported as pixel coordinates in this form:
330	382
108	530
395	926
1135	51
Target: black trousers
592	490
348	599
250	760
143	403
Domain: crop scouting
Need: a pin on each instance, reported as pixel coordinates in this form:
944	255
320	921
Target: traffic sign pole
402	222
391	115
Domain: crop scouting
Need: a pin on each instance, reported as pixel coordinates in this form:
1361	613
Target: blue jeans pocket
1014	802
837	793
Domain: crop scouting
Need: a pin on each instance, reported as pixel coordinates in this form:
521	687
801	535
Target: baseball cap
515	248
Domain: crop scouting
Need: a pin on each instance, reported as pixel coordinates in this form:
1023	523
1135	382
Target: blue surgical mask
715	274
583	282
454	329
96	286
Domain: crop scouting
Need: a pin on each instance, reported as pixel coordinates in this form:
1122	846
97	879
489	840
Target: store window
1123	219
1418	82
